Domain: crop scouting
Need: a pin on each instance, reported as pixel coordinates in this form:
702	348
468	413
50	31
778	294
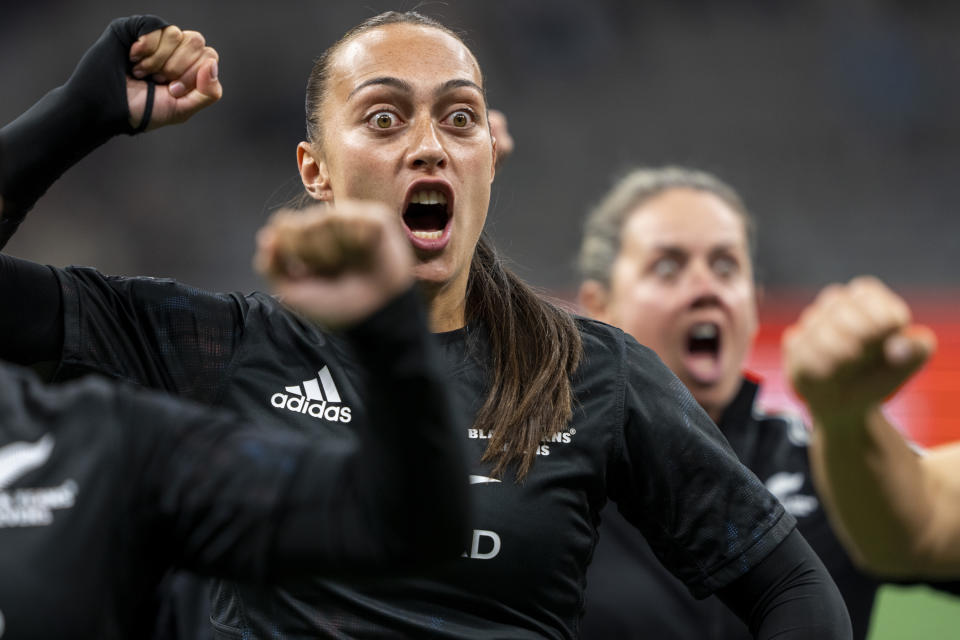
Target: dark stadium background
839	122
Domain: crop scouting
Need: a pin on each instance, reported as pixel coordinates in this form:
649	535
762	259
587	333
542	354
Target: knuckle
828	294
173	33
194	39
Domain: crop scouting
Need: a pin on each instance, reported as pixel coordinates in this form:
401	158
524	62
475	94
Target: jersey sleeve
31	318
154	332
705	515
208	488
69	122
789	595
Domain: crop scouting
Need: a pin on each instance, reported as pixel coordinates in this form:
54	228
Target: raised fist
852	348
336	265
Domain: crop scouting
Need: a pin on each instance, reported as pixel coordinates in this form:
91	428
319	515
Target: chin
431	278
438	272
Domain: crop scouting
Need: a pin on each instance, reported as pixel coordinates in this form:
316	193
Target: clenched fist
186	72
852	348
336	265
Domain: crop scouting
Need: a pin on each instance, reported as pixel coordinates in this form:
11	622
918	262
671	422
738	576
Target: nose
426	149
703	285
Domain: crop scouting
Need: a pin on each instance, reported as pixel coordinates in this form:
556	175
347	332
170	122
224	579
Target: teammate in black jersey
104	487
564	412
667	256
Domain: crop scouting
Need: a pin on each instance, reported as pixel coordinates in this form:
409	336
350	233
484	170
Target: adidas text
317	397
321	410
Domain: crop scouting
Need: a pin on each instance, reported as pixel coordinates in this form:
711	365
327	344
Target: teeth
705	331
427	235
428	197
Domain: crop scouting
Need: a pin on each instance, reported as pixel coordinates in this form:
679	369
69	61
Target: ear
313	173
593	299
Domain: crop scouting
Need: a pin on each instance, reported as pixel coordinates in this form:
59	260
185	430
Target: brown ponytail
534	348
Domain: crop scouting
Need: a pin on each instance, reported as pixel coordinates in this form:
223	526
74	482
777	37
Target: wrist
847	425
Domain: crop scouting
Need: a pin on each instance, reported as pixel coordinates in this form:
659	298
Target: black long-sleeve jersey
630	596
104	487
636	436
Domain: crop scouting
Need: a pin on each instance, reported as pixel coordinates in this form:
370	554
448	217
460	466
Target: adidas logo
308	398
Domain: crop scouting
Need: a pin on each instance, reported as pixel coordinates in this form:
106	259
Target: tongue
703	367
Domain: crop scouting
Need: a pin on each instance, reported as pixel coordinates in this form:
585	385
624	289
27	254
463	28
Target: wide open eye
725	266
666	267
461	119
383	120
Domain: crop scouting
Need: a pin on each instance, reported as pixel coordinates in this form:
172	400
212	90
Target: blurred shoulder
603	343
787	425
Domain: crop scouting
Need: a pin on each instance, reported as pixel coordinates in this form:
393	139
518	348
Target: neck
446	305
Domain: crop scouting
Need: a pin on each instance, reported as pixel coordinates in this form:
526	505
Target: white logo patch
784	486
19	458
482	480
30	507
308	397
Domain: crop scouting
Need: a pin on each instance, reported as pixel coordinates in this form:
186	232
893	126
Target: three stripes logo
317	397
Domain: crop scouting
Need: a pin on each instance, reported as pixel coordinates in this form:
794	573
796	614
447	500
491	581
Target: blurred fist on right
852	348
336	264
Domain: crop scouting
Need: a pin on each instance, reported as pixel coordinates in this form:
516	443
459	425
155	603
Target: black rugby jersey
104	487
637	437
629	595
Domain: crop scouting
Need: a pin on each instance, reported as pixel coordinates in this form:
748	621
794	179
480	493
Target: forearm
39	147
789	595
413	436
878	493
403	495
68	123
873	489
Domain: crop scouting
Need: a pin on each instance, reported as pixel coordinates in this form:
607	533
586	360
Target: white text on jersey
307	398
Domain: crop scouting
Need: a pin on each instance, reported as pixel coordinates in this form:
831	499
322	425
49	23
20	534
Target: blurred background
837	120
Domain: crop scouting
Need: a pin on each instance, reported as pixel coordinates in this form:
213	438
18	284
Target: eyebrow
406	87
388	81
456	83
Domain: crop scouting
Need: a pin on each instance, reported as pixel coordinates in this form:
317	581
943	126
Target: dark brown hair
534	345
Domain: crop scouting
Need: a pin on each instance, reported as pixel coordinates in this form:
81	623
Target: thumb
207	91
208	81
910	348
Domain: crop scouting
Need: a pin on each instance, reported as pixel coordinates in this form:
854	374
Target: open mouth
704	337
702	357
427	218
